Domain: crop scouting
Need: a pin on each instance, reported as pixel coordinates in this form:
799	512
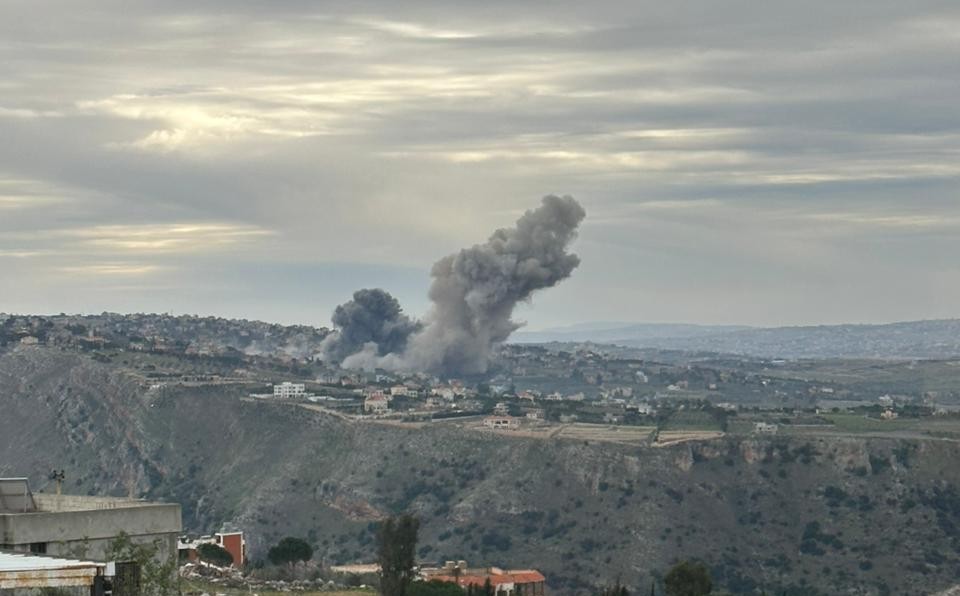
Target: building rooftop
17	498
512	576
19	570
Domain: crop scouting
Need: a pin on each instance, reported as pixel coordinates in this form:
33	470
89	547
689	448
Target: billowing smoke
474	293
373	320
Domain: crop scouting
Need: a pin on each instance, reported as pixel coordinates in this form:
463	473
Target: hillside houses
505	582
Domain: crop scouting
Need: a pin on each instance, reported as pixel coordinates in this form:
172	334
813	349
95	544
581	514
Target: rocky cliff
844	515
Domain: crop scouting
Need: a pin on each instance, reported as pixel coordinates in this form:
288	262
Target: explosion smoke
474	293
373	317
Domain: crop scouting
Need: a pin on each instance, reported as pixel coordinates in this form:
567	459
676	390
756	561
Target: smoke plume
474	293
373	320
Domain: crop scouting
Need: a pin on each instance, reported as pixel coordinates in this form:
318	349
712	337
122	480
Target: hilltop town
643	442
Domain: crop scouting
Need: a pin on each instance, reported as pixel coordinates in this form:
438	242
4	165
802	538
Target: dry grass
672	437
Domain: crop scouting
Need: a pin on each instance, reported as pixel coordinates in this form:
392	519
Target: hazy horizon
585	325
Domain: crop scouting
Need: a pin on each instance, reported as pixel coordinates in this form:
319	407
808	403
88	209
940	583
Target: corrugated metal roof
21	570
15	562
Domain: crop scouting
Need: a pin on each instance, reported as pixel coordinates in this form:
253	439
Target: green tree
434	588
617	589
158	570
396	549
289	551
688	579
215	555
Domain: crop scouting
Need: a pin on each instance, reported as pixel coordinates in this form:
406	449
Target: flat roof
52	503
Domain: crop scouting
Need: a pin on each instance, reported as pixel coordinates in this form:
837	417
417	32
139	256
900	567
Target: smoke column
373	320
474	293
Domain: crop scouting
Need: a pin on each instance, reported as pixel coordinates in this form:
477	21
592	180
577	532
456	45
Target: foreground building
81	526
19	571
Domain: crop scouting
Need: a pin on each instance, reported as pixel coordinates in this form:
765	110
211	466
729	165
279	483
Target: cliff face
816	516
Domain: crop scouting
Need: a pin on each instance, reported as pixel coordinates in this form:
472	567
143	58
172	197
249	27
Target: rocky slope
818	516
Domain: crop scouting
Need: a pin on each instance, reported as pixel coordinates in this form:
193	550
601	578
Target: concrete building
501	422
79	526
232	542
376	404
537	414
509	582
288	390
765	428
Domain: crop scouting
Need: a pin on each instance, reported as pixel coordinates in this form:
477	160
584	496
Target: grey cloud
165	112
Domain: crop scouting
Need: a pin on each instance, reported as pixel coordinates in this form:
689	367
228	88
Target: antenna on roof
57	476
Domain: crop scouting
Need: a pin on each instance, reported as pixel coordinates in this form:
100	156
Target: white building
536	415
765	428
376	404
501	422
288	390
645	409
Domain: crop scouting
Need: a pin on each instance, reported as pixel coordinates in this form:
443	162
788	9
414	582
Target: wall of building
72	531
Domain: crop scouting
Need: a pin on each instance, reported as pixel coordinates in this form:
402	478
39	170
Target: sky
741	162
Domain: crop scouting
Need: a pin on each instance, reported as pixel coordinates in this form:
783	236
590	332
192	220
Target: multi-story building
288	390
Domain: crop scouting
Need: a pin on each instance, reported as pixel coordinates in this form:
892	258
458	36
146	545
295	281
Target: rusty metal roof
23	570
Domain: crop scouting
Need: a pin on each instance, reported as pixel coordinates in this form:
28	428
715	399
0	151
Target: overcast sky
740	162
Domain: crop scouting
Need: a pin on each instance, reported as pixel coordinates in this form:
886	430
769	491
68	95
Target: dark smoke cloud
372	320
474	293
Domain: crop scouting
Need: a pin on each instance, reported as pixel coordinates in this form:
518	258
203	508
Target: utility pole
58	476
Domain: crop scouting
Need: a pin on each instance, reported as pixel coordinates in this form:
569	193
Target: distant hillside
650	333
912	339
798	516
183	334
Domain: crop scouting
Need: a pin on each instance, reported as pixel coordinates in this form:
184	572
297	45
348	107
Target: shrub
290	550
215	554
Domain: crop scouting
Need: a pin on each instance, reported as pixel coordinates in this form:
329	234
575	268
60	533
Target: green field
857	423
691	420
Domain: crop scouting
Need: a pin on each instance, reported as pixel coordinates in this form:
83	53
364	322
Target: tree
688	579
289	551
434	588
158	570
215	555
396	549
617	589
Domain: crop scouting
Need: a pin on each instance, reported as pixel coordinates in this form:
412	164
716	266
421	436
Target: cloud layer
741	163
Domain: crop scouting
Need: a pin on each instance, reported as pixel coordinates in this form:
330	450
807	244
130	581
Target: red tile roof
518	576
